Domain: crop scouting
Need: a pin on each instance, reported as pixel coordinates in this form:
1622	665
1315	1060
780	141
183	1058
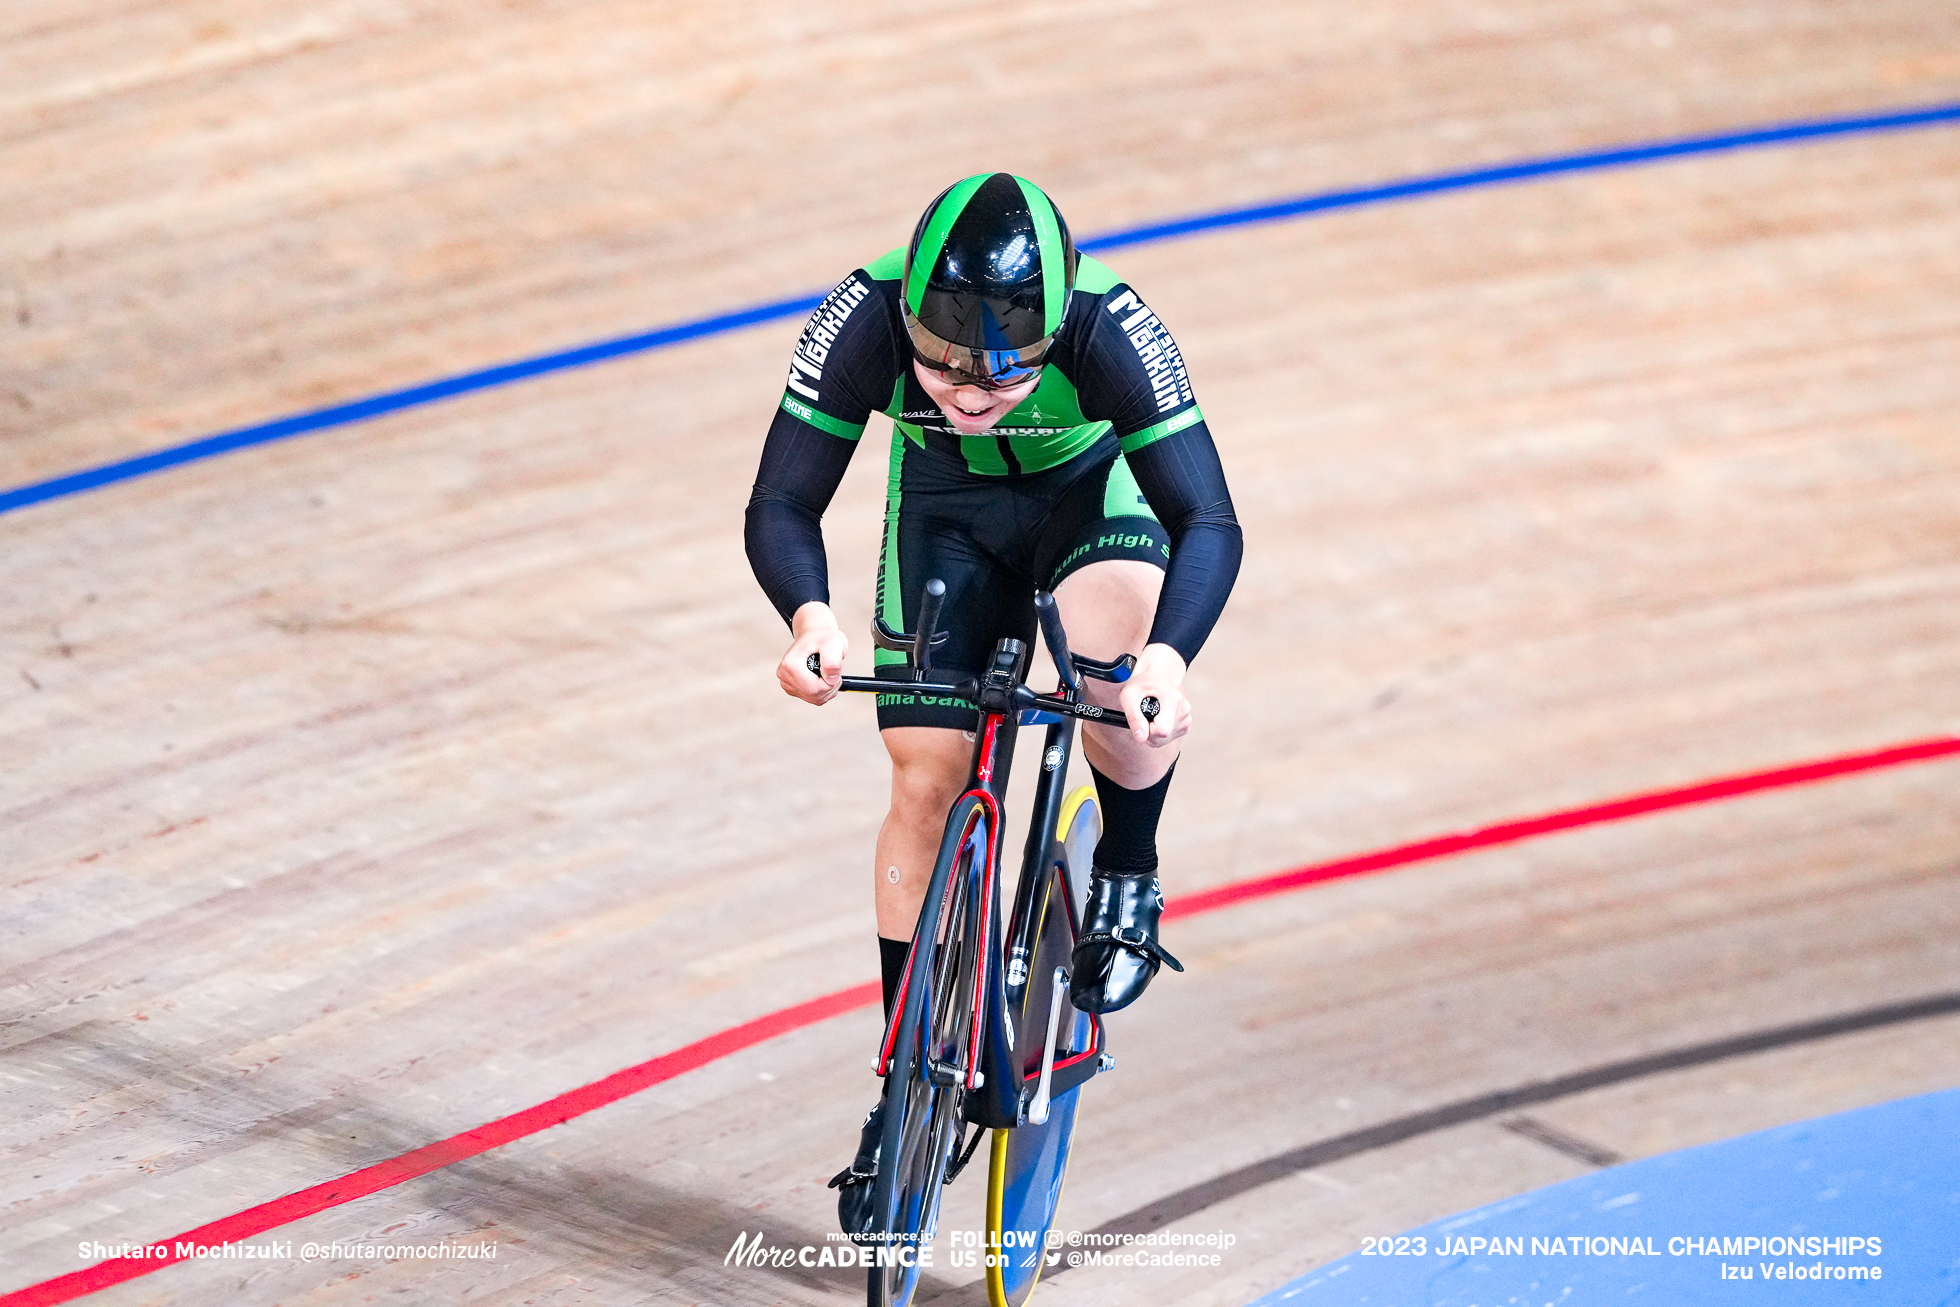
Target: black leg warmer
891	961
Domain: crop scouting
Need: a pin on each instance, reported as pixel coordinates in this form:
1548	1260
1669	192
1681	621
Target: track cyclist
1044	435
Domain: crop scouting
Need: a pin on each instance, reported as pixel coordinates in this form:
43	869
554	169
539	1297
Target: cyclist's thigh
929	766
1103	555
1102	516
1107	607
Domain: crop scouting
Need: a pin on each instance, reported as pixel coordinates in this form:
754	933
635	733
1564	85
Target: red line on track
621	1084
1509	832
383	1175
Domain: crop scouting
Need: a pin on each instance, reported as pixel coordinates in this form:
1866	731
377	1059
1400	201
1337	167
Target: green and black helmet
987	279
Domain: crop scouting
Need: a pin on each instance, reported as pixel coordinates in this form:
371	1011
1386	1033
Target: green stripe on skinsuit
796	408
1092	276
1053	451
1054	403
1121	495
982	454
890	600
1151	435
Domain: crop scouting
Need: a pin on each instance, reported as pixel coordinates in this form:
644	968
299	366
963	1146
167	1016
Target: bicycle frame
995	1083
950	1051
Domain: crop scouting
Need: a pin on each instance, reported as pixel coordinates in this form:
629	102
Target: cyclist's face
969	408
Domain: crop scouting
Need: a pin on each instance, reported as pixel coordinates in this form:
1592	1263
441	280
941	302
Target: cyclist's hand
1159	675
815	631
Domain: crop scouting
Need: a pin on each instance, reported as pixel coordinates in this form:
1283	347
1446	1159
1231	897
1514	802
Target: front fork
1035	859
996	1101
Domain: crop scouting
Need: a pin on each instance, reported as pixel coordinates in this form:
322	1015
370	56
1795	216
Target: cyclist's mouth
973	421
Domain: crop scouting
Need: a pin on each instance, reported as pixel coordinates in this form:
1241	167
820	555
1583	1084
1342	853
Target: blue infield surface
1862	1207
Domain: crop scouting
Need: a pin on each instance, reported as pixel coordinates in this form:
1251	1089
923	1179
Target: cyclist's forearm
1204	564
800	471
1181	478
785	548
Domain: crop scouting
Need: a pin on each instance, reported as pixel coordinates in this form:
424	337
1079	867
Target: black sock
891	961
1129	817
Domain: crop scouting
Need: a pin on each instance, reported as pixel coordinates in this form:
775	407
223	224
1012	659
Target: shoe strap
1134	939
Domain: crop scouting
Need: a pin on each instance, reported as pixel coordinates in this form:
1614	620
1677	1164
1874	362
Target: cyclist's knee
924	792
929	769
1107	607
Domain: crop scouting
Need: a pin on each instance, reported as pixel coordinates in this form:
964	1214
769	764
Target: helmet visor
960	365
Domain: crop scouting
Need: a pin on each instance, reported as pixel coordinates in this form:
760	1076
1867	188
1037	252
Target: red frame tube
983	771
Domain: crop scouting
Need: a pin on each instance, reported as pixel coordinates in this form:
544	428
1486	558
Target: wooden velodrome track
363	788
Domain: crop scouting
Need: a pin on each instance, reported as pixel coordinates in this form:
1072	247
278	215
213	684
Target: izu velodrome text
1600	1245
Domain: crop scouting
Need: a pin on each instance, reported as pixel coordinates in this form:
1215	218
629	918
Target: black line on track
1582	1150
1196	1198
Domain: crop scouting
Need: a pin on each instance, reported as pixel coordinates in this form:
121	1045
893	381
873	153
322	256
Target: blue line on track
358	410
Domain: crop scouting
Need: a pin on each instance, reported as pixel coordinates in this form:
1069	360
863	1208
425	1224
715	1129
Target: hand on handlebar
816	638
1159	675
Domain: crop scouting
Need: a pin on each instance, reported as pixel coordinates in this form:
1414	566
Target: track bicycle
982	1033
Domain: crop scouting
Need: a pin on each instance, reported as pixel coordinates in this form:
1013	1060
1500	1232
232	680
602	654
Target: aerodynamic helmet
987	280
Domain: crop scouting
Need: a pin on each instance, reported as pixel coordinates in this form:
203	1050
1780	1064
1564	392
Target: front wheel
928	1059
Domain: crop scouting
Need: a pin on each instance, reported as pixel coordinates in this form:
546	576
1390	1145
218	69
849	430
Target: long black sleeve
1132	373
844	348
1181	477
801	469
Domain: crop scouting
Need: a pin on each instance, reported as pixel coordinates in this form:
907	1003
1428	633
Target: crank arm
1038	1109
